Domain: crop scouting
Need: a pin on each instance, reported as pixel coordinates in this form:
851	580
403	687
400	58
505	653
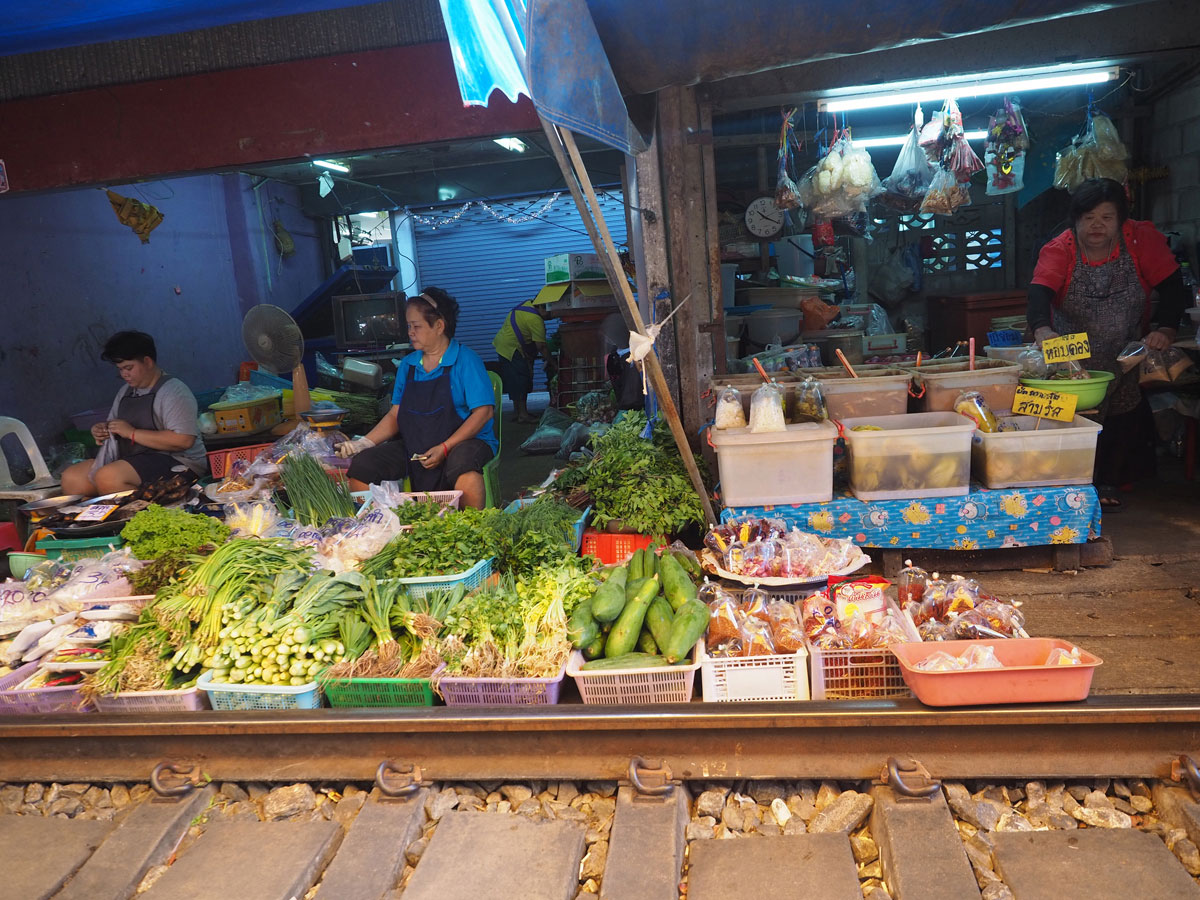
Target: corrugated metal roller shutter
490	266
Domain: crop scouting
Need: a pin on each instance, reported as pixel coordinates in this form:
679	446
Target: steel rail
1106	735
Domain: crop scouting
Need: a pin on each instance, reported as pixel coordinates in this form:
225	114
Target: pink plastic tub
1024	679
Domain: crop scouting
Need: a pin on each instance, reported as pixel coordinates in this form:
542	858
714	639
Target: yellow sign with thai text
1044	404
1067	347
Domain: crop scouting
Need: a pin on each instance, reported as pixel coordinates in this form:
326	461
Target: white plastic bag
766	409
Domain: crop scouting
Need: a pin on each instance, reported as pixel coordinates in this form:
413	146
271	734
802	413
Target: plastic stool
42	479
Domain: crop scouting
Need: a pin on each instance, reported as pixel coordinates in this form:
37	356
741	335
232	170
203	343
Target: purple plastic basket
499	691
40	700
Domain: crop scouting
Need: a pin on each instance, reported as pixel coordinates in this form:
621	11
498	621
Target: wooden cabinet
958	317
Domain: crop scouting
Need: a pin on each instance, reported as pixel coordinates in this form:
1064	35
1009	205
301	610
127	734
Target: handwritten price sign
1044	404
1067	347
97	512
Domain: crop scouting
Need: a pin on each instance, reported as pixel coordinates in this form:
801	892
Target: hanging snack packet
809	405
730	412
766	409
905	188
945	194
1131	357
787	193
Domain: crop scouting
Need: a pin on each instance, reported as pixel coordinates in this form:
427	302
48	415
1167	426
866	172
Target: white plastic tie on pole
640	345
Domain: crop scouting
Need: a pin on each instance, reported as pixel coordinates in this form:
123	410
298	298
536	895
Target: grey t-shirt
174	410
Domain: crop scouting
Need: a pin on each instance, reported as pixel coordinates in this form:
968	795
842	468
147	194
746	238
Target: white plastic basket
860	674
621	687
749	678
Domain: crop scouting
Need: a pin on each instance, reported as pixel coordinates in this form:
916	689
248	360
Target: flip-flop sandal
1109	502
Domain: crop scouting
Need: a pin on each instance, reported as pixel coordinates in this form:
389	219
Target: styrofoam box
996	379
911	456
792	466
1056	453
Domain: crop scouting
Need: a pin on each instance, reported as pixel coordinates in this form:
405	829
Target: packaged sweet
1005	151
1131	357
754	604
972	405
809	405
946	194
860	597
730	412
786	630
766	409
1097	153
1153	370
905	188
910	586
756	638
1071	370
1060	657
939	661
1176	361
975	657
1032	363
842	183
723	621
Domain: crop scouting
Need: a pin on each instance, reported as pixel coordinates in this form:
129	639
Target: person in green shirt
520	339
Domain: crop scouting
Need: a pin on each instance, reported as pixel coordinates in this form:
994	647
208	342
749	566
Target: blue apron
426	417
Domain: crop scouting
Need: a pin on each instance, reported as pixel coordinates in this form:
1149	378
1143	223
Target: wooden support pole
562	144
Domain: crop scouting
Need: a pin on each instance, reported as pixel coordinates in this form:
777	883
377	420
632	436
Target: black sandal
1109	501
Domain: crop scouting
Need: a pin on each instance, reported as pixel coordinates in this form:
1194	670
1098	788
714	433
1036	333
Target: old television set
369	321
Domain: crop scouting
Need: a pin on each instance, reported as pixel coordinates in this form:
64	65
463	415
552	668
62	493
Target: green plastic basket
71	549
378	691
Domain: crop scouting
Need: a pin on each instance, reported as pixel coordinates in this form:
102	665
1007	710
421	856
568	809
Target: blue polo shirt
470	385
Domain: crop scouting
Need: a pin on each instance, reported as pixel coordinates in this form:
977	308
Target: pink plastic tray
458	691
66	699
1024	679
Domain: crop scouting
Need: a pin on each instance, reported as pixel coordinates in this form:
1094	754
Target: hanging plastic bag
787	193
1005	152
810	402
766	409
905	188
842	183
1097	153
730	412
945	194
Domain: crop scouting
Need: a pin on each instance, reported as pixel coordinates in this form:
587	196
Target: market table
981	519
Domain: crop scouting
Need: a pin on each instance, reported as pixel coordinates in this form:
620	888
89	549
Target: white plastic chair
43	485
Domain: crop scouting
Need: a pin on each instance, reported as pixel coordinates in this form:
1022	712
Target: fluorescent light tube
330	164
977	86
514	144
898	139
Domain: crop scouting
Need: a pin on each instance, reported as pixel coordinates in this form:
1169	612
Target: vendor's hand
349	448
100	432
434	456
1159	340
120	428
1044	334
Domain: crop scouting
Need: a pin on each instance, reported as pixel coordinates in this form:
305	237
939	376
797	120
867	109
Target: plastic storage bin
1056	453
66	699
71	549
783	676
792	466
376	692
419	586
613	549
183	700
911	456
458	691
619	687
996	379
225	696
221	461
859	674
1025	677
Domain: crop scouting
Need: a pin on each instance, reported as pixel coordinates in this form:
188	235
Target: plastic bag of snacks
786	630
730	412
1176	361
809	405
787	193
756	637
1032	363
972	405
1071	370
910	586
842	183
906	187
766	409
1131	357
1098	153
945	194
1005	151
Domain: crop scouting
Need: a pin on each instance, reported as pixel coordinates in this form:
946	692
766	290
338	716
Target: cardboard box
576	295
884	344
574	267
248	417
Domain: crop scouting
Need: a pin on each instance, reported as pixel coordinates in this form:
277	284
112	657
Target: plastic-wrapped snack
940	661
962	594
935	596
910	586
710	592
890	630
860	597
724	622
1131	357
766	409
754	604
1176	361
905	188
972	405
756	638
1071	370
1003	617
973	625
936	630
980	657
730	413
1032	363
810	402
1153	370
785	626
945	194
1060	657
819	616
726	650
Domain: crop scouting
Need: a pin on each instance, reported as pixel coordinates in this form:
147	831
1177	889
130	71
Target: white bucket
793	259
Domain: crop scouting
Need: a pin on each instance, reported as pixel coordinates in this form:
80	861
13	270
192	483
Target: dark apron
426	417
1109	303
138	412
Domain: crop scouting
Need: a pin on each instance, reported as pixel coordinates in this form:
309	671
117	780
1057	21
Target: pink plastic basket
42	700
184	700
1025	677
499	691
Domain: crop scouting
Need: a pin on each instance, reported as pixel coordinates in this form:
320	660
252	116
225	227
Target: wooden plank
712	241
1143	665
1059	557
648	239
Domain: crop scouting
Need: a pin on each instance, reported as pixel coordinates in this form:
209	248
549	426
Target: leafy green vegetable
156	530
314	496
447	545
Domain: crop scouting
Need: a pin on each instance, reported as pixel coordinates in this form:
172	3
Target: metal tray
50	503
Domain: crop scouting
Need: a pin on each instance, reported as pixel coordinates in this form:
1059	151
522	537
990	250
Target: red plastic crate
220	461
613	549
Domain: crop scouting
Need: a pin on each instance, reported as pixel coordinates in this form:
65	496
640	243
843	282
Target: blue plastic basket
470	579
1008	337
228	696
580	523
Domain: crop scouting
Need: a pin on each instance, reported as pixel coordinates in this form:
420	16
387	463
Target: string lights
436	222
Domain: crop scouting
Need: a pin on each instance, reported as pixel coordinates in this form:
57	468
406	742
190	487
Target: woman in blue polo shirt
439	431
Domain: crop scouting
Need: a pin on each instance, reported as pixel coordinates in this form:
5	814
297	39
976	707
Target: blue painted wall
71	275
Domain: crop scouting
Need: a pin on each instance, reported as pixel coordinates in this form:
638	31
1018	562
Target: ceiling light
903	94
330	164
898	139
369	215
516	145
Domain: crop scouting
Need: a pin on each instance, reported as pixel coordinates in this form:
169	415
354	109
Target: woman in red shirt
1098	277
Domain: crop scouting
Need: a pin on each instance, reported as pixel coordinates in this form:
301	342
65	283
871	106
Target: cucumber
645	642
691	620
677	584
632	586
624	634
627	661
582	627
689	565
635	565
659	618
595	649
609	599
650	562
